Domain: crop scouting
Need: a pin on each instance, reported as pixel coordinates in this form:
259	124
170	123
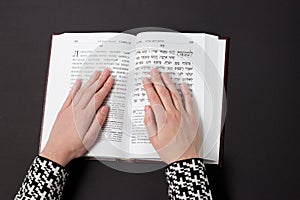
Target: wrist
189	154
188	157
59	158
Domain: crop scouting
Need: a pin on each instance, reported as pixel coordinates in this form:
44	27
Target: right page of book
185	57
220	91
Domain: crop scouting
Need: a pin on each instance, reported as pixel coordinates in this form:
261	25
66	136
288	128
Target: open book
195	58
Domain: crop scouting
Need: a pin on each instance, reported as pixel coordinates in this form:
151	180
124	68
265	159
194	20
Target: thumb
95	127
76	86
150	123
160	116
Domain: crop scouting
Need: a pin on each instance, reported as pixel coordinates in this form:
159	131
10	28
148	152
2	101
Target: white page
221	64
160	47
68	60
209	45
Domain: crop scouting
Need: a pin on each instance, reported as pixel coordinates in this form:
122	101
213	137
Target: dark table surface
261	153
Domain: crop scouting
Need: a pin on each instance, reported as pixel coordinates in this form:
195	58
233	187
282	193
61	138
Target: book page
77	55
214	76
183	57
168	52
221	62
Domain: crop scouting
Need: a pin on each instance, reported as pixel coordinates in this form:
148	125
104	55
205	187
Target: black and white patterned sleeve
187	179
45	180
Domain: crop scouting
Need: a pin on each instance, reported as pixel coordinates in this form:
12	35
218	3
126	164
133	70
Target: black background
261	154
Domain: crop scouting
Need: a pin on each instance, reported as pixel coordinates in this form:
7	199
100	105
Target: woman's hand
173	127
80	119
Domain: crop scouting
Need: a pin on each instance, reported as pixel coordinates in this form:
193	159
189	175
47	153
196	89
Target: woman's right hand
172	126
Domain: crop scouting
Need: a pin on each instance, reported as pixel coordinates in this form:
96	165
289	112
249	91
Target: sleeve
45	180
187	179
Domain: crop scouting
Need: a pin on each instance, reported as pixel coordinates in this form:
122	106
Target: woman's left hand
80	119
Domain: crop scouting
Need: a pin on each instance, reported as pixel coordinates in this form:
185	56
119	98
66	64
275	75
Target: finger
104	76
76	86
99	97
188	100
161	89
93	88
160	115
151	93
173	90
150	124
92	133
91	80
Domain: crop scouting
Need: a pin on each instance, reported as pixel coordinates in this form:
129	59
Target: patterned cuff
45	180
187	179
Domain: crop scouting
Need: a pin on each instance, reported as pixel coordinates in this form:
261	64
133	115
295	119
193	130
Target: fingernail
146	81
106	69
96	73
154	71
184	85
104	110
146	109
165	75
111	79
102	73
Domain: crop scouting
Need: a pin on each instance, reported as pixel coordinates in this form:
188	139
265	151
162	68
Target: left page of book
77	55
